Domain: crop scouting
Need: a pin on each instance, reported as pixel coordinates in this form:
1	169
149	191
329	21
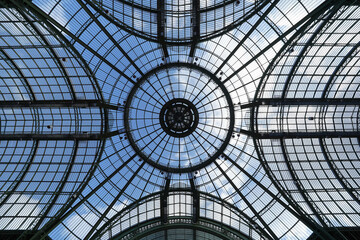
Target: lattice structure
186	119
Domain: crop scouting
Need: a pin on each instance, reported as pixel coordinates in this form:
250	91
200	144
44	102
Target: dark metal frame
226	140
319	230
164	194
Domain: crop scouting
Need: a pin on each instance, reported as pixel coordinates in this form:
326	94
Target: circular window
179	117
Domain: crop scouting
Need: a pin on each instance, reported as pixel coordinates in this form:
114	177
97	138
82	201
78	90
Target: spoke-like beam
28	5
195	18
352	2
60	136
103	215
103	29
247	35
248	204
304	193
57	104
293	208
339	67
61	186
164	198
300	186
67	209
312	15
301	102
196	199
61	38
161	27
281	135
305	49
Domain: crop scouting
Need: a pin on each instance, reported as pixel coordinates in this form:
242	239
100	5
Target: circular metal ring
179	117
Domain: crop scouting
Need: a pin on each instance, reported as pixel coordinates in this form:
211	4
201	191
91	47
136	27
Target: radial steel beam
337	173
60	187
352	2
68	209
271	233
61	38
195	199
163	200
195	19
57	104
304	50
281	135
338	68
302	191
301	102
161	26
293	208
60	136
247	35
103	215
300	186
300	24
104	30
26	4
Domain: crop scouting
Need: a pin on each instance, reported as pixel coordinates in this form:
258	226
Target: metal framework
232	119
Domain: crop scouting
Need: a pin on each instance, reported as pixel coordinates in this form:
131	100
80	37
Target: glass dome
180	119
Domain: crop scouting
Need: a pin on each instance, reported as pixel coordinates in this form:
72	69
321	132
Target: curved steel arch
219	85
52	52
25	169
323	234
195	40
212	171
19	73
205	225
104	113
335	171
163	193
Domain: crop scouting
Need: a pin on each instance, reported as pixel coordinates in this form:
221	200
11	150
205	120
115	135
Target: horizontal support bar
58	104
302	101
280	135
352	3
74	136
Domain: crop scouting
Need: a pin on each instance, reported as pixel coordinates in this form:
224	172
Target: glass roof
139	119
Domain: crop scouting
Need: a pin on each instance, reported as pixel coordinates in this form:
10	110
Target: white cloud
17	209
80	224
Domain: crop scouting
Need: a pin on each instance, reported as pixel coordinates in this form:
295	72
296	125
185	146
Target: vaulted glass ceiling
184	119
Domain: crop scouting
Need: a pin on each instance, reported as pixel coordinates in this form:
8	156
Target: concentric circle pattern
179	118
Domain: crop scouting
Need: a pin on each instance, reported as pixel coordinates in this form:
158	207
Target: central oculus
179	117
